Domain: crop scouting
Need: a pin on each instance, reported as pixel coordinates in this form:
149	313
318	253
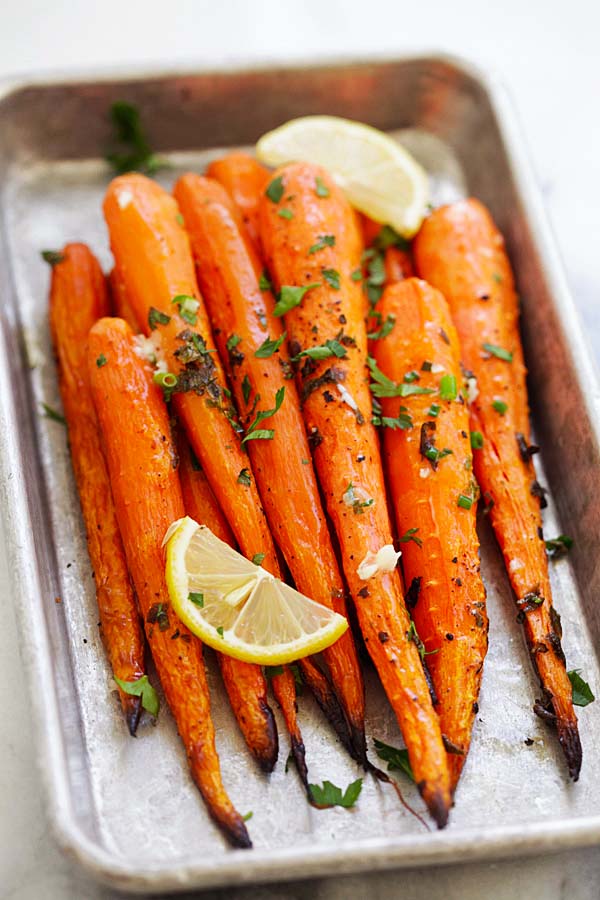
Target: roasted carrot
120	304
428	459
142	463
78	297
314	251
245	181
252	345
153	259
200	503
460	251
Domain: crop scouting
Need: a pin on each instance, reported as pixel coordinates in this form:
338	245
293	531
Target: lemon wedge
238	607
379	177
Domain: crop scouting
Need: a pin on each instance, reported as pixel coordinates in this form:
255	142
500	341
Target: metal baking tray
127	809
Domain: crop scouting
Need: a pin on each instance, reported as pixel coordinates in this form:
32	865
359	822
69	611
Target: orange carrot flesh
440	554
78	298
245	683
148	499
121	307
153	259
243	321
245	181
460	252
337	412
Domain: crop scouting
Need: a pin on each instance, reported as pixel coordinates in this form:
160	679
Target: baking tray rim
238	866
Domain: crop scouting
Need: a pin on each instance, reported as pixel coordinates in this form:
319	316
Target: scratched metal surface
126	808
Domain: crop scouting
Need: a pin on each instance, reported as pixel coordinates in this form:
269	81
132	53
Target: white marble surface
546	52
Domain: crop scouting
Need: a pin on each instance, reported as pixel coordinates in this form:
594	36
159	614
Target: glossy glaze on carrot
245	180
460	251
147	496
153	260
120	305
440	554
337	413
78	298
242	318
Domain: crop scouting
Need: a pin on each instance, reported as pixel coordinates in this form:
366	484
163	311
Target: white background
547	54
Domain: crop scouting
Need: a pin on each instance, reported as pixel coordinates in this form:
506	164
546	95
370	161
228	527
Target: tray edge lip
74	843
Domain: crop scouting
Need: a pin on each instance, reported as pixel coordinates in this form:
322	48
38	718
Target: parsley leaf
389	237
246	389
332	277
396	759
52	257
383	386
321	189
244	477
499	352
156	317
130	135
264	282
50	413
385	329
258	558
324	351
232	341
559	546
188	307
476	440
220	630
325	240
253	432
582	692
285	213
275	189
404	421
357	275
269	347
101	360
141	688
290	297
411	535
500	406
330	795
196	598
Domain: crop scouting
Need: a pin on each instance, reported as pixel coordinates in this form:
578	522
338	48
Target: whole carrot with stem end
201	505
78	298
245	180
312	255
154	262
251	343
428	459
142	464
460	251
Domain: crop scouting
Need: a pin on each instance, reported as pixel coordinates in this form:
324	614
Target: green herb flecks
582	692
264	282
500	406
321	189
330	795
258	558
244	478
332	277
275	189
558	546
290	297
156	317
325	240
476	440
52	414
52	257
134	150
382	386
188	308
385	329
285	213
253	432
269	347
196	598
498	352
101	360
396	759
324	351
411	535
141	688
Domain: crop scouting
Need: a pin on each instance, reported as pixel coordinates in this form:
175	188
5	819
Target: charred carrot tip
239	837
132	707
438	809
568	736
266	756
358	745
299	754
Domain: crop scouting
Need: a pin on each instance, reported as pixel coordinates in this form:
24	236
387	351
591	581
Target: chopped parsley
246	389
582	692
383	386
375	277
409	377
329	348
332	277
258	558
275	189
196	598
264	282
269	347
52	257
290	297
254	432
330	795
141	688
321	189
179	219
156	317
497	278
244	477
52	414
357	275
101	360
350	499
396	759
385	328
129	134
476	440
499	352
389	237
403	421
559	546
247	817
325	240
285	213
448	389
188	308
220	629
434	410
500	406
232	341
411	535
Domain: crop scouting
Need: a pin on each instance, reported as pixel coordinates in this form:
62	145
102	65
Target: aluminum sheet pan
127	809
